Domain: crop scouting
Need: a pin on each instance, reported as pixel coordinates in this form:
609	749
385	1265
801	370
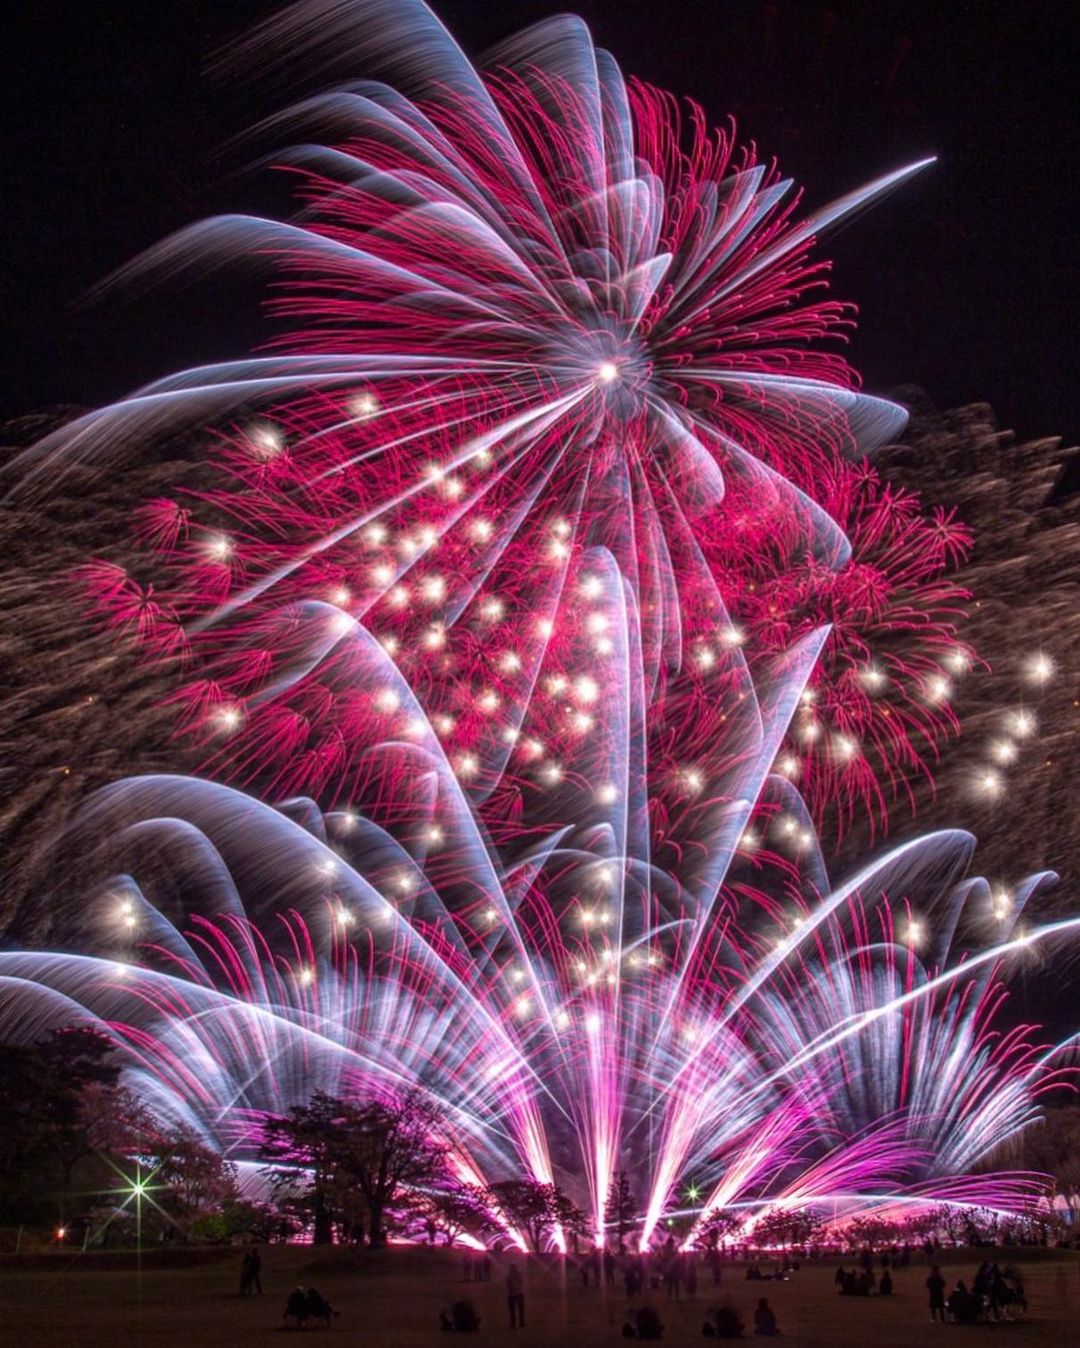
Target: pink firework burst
547	319
525	555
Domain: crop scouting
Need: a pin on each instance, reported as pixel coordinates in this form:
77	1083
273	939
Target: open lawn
393	1298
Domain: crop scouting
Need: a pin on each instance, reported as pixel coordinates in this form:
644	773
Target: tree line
81	1155
82	1158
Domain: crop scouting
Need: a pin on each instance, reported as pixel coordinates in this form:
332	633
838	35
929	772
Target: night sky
116	135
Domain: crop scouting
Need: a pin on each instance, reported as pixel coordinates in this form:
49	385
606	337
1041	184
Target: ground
62	1301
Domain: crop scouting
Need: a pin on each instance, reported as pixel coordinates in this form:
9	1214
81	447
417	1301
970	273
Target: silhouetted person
765	1320
515	1297
964	1306
254	1262
981	1282
296	1307
609	1268
648	1324
316	1306
672	1276
840	1276
996	1292
463	1317
724	1323
630	1278
935	1285
885	1285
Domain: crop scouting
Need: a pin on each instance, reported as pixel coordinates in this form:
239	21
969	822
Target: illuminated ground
396	1302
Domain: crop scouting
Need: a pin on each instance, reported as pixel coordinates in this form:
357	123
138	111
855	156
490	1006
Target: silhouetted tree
536	1209
786	1227
1052	1145
621	1208
718	1226
54	1094
454	1210
360	1159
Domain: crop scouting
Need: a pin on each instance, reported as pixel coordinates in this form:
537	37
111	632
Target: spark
1020	724
586	689
387	700
228	718
219	547
1039	668
938	689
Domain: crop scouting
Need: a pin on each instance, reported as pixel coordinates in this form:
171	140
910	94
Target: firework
571	1020
536	544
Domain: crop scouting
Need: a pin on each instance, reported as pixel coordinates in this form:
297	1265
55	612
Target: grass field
393	1298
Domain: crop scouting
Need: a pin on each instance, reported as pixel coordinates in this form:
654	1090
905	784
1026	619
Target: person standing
515	1297
672	1276
935	1285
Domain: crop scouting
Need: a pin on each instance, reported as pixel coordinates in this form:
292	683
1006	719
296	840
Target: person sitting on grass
461	1318
1015	1300
765	1325
296	1307
316	1307
723	1322
964	1306
645	1323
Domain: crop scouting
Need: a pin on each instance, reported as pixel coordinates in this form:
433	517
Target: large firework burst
528	541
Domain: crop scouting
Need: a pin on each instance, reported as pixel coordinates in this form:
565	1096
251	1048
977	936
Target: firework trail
536	545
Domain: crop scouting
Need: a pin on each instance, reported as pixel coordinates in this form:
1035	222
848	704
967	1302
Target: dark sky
966	280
